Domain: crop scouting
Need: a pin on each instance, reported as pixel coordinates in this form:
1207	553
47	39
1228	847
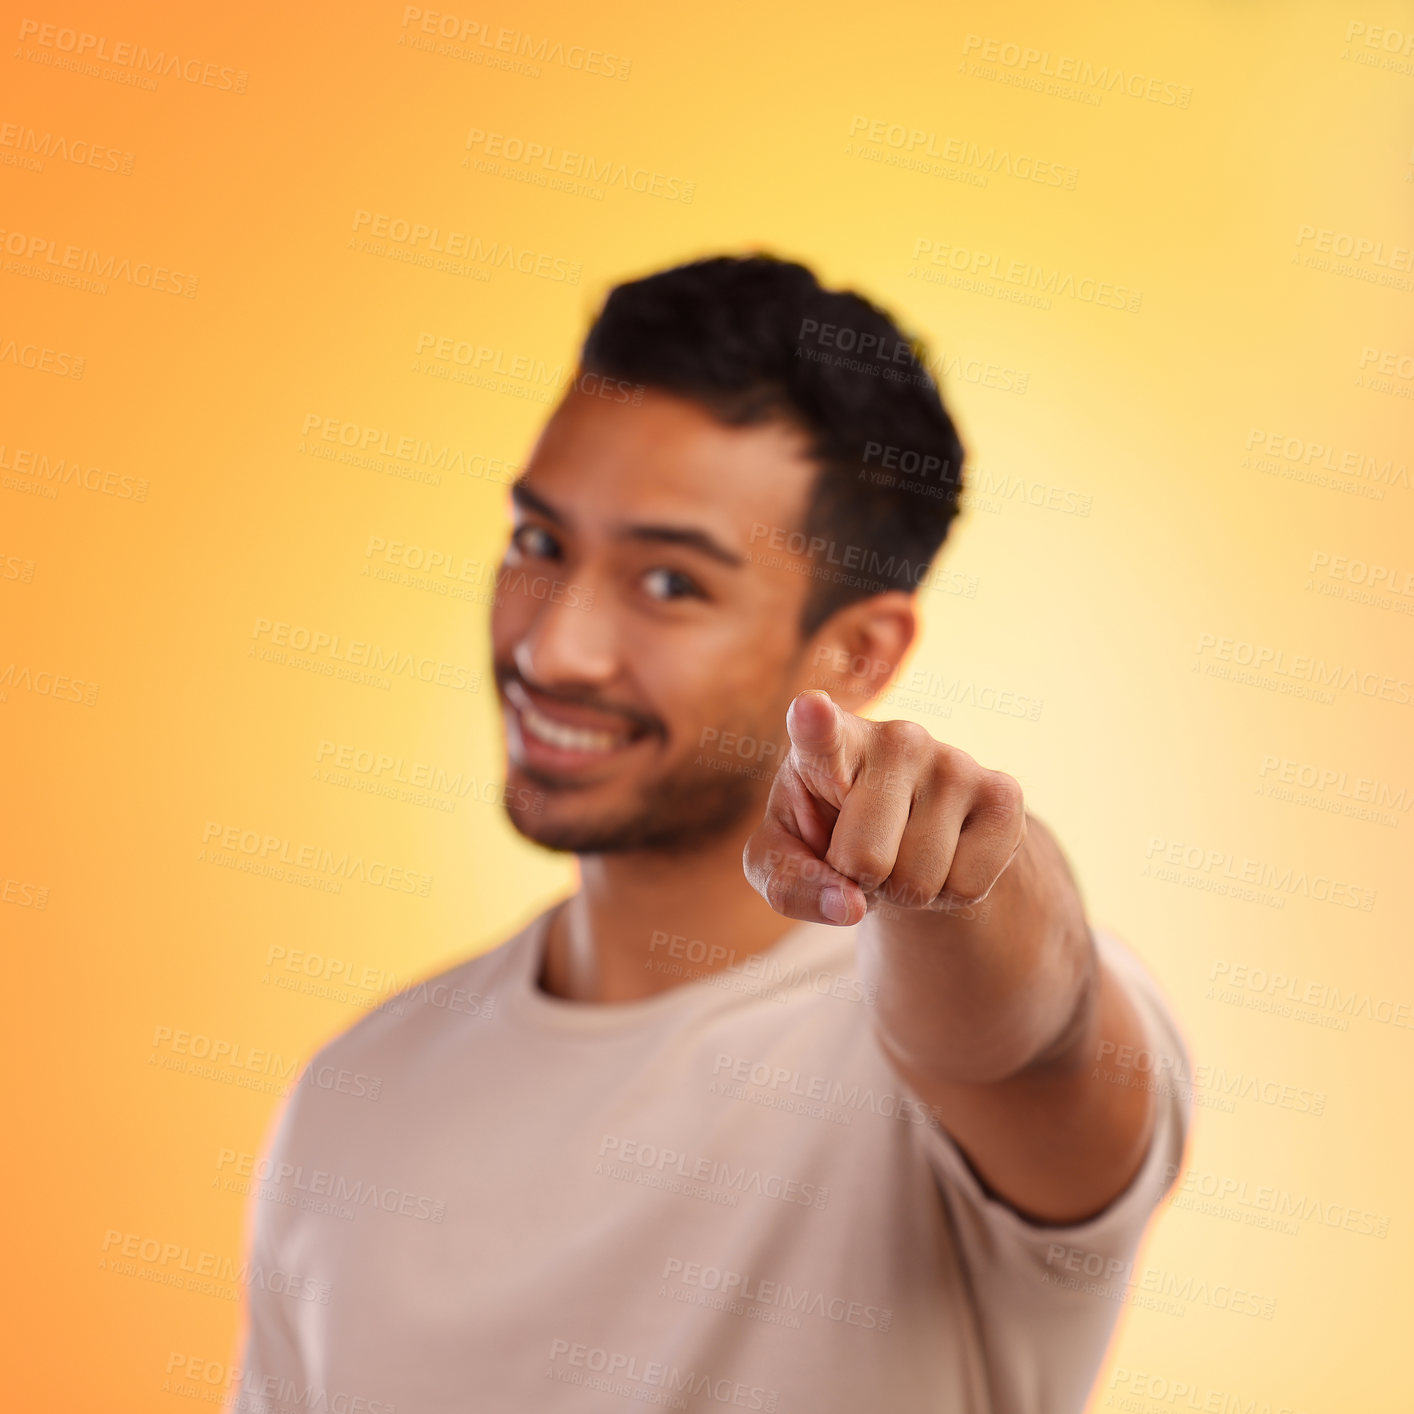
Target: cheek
512	614
719	680
755	664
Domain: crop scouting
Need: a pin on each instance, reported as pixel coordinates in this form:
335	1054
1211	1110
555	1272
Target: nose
569	643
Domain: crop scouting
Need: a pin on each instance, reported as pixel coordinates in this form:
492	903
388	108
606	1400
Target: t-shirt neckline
524	1000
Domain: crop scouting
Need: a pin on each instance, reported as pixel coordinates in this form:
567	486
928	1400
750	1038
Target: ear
855	652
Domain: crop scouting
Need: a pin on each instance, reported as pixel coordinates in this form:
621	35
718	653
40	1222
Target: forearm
979	995
994	1015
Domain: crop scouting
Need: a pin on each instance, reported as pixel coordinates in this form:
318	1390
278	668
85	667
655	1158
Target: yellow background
1295	118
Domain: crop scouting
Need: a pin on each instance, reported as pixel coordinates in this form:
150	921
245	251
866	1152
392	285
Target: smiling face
641	639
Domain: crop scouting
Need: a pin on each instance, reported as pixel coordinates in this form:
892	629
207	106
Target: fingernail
834	905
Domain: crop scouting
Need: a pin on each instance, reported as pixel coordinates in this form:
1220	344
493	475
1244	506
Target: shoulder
459	998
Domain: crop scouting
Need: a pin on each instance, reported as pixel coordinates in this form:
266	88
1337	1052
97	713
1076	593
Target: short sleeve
1047	1297
271	1359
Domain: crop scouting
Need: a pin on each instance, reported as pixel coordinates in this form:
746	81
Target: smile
540	729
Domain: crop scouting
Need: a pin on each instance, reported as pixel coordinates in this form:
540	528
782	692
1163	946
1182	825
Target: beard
688	805
675	814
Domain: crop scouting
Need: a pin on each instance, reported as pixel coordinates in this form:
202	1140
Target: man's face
644	654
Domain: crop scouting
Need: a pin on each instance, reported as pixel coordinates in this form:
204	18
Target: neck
643	923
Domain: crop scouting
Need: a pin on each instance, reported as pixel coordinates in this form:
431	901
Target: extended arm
993	1003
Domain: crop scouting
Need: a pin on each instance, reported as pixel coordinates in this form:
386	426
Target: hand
862	812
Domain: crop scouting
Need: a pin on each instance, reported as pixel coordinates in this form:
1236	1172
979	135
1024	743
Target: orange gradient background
1159	493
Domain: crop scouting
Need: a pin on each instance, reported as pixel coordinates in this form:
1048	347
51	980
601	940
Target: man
814	1095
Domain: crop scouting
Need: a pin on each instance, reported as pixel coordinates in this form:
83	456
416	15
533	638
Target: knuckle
969	879
904	737
950	768
911	888
970	890
887	780
1003	792
866	862
955	762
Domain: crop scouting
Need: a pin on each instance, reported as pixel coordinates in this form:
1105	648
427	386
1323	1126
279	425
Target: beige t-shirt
483	1197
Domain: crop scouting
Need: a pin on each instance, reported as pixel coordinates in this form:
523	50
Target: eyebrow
685	535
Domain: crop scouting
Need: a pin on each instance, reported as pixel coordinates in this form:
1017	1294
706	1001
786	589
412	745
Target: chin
672	817
580	832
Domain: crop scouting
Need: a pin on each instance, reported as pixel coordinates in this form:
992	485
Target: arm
270	1351
992	1001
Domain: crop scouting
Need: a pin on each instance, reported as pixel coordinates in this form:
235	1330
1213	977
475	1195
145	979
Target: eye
664	583
534	540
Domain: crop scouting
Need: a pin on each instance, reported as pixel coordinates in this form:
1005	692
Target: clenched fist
862	812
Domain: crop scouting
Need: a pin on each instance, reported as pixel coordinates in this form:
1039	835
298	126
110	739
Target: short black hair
755	337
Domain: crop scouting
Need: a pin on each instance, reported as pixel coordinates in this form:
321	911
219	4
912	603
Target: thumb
782	869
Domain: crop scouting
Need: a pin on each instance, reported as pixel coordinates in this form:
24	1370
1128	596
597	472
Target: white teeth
566	738
558	734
